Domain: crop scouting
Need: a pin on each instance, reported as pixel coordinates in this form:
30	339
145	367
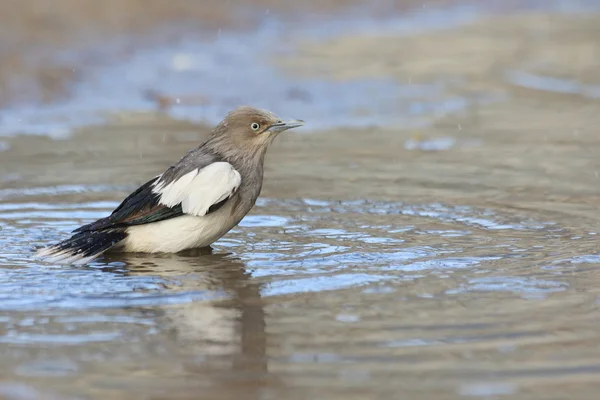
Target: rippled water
329	295
458	264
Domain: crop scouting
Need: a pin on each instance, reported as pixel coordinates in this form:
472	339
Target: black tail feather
82	246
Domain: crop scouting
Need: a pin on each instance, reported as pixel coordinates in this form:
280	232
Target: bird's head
251	128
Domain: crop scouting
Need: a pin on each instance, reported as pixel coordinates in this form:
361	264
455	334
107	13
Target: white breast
177	234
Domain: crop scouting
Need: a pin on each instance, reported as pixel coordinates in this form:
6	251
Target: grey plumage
193	203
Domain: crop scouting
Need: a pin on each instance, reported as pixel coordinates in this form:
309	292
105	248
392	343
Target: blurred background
431	233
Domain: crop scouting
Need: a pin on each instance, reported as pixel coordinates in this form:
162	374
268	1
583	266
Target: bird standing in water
193	203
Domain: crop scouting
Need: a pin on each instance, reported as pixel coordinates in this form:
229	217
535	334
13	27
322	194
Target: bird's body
193	203
191	231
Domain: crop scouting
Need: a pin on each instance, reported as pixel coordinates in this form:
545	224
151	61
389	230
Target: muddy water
436	241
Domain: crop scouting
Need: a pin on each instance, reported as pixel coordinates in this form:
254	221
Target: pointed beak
285	125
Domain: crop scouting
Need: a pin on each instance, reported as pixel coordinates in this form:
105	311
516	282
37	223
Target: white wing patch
198	190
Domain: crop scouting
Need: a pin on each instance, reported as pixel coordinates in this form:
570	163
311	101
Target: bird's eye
254	126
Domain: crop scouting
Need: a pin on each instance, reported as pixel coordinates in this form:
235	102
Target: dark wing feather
140	207
143	207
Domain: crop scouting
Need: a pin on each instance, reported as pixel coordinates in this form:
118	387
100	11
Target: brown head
249	130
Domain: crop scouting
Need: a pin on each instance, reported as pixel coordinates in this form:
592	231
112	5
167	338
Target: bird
193	203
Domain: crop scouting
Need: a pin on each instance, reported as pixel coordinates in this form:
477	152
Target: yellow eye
254	126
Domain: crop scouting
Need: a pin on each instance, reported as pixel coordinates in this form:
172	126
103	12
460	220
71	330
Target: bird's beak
285	125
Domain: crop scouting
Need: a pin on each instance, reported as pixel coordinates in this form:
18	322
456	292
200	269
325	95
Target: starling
193	203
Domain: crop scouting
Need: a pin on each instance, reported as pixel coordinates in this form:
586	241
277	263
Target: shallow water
459	261
306	294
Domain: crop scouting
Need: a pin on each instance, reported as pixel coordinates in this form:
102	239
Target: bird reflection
219	339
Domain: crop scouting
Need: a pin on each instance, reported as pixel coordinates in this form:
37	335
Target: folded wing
197	192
